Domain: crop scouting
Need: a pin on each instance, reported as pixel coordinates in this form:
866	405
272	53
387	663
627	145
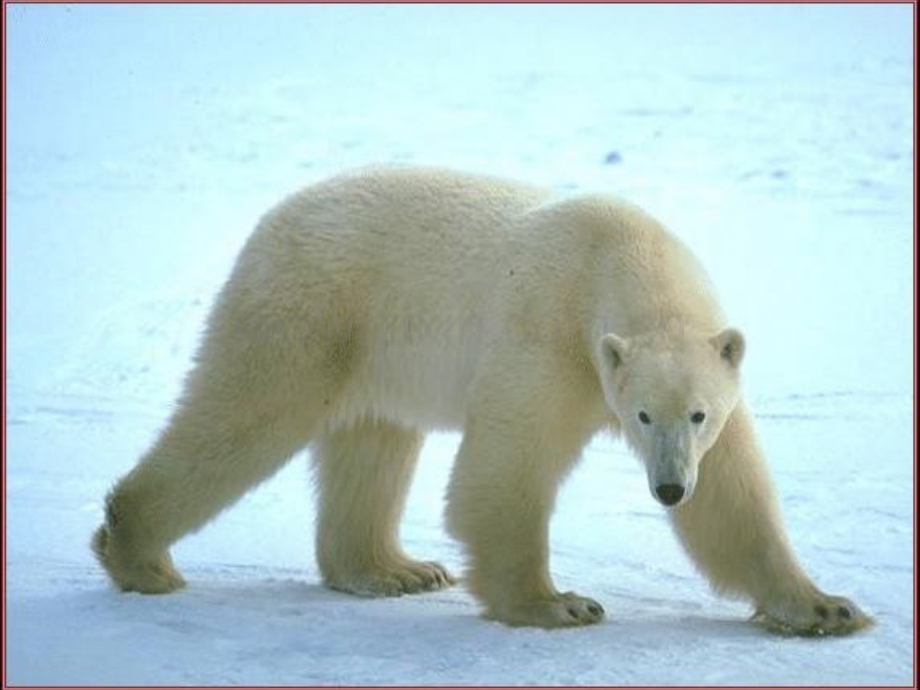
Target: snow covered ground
144	142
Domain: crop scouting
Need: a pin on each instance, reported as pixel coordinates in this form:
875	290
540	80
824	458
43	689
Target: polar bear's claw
150	575
829	616
562	611
395	579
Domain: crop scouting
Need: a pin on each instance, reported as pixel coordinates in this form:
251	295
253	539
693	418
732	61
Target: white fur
375	306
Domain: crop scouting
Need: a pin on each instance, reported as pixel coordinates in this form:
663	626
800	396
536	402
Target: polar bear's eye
698	417
644	418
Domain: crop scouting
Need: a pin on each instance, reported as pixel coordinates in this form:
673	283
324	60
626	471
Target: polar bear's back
415	235
413	210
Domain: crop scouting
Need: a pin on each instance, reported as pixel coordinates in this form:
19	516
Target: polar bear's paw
154	575
397	577
820	616
561	611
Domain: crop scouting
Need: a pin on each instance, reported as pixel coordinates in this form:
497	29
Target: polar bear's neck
643	279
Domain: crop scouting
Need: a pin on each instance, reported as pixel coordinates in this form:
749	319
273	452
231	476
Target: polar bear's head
672	396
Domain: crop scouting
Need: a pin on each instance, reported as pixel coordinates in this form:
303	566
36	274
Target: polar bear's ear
612	351
730	346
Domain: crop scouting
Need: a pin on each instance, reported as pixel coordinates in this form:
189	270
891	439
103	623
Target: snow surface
145	141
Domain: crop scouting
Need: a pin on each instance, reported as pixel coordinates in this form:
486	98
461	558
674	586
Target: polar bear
382	303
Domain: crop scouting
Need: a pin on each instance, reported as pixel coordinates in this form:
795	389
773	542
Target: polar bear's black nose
669	493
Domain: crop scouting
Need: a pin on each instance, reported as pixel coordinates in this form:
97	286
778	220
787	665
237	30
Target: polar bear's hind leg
241	417
363	472
195	470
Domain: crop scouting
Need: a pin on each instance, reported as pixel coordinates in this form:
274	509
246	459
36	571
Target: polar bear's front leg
518	444
733	531
499	503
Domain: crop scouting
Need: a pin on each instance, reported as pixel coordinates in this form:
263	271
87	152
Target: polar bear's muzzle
672	478
672	493
669	494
